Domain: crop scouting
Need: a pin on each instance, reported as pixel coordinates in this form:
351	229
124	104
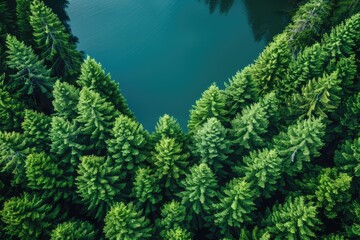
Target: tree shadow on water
223	5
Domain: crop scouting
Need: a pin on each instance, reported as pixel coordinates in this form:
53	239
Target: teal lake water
165	53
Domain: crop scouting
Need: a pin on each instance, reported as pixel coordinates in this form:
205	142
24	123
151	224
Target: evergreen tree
332	192
36	129
66	98
31	78
351	116
98	184
235	206
94	78
211	145
28	217
168	126
177	233
353	230
294	219
211	104
123	221
170	162
347	157
71	230
23	20
241	91
302	141
95	118
53	41
200	187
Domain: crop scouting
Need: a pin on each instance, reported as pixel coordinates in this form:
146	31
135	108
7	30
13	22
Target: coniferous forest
273	155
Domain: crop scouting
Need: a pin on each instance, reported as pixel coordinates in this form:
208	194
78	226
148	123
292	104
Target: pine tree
31	78
351	116
23	20
169	127
127	144
241	91
347	157
302	141
98	184
353	230
94	78
53	41
236	205
177	233
294	219
66	98
211	104
28	217
332	192
36	128
211	145
123	221
71	230
200	187
170	162
95	118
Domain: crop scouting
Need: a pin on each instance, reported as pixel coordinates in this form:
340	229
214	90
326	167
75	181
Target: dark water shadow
223	5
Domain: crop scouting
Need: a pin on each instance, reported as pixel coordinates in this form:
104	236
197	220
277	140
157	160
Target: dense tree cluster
274	155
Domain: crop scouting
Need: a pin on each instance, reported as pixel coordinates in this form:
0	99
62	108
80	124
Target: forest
273	155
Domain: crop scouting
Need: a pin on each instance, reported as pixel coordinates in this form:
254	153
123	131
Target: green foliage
294	219
332	192
347	157
168	126
211	144
23	19
66	98
354	229
302	141
71	230
351	116
53	42
28	217
211	104
125	222
200	190
177	233
94	78
98	184
236	204
36	128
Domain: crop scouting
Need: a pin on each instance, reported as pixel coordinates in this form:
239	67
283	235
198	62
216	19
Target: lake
165	53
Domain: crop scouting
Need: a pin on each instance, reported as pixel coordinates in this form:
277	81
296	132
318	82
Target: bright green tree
53	41
294	219
347	157
94	78
301	142
98	184
211	104
168	126
28	216
66	98
332	191
124	221
71	230
177	233
211	144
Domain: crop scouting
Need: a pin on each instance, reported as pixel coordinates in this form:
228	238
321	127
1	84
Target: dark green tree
66	98
23	20
71	230
53	41
94	78
351	117
124	221
28	216
211	104
98	184
347	157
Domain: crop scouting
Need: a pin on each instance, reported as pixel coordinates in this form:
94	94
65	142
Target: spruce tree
177	233
168	126
211	104
23	20
351	116
28	216
98	184
124	221
94	78
53	41
211	144
66	98
347	157
296	218
71	230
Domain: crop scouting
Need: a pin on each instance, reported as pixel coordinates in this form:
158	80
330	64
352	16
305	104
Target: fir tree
94	78
351	116
71	230
23	20
168	126
98	184
123	221
332	192
294	219
177	233
211	104
66	98
347	157
28	217
53	42
211	145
